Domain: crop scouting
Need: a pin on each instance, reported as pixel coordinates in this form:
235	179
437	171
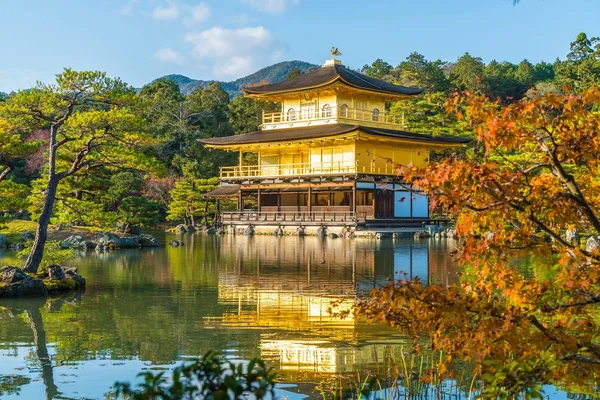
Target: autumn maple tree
526	199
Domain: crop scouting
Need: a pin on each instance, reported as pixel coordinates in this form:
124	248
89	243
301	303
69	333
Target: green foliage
417	71
210	377
245	113
14	196
581	69
187	202
138	211
177	122
53	254
467	73
124	184
378	69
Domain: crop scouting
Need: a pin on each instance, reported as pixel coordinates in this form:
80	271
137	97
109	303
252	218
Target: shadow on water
257	296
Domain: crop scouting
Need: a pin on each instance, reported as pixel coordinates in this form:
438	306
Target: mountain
272	74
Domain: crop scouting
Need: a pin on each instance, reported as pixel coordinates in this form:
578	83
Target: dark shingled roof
224	191
329	74
311	132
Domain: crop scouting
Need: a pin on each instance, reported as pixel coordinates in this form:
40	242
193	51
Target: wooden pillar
309	200
258	200
240	201
278	201
374	195
354	199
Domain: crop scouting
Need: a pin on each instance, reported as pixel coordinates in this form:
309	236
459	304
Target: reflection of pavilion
285	289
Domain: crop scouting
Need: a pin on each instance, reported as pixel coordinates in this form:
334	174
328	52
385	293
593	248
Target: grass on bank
14	229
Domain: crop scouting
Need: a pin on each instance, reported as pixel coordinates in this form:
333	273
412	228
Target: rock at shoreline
14	282
107	241
176	243
180	229
71	272
55	273
148	241
77	242
421	235
211	231
129	242
10	274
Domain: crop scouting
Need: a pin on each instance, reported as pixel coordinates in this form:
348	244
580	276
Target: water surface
248	296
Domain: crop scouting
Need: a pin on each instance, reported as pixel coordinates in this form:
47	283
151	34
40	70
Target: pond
250	297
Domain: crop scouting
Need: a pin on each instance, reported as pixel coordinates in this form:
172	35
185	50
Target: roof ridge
358	75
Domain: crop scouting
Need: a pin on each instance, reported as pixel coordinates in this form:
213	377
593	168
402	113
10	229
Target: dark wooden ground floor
343	202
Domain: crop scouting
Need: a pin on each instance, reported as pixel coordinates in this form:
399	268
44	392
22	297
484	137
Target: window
326	111
344	111
360	107
291	114
307	110
375	114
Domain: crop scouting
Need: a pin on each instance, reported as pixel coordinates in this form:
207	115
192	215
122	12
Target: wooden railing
304	169
334	214
288	169
333	112
364	212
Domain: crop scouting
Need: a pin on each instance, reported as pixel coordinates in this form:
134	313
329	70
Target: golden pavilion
331	156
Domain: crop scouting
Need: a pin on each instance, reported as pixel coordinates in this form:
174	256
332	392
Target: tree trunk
205	223
41	235
37	250
192	220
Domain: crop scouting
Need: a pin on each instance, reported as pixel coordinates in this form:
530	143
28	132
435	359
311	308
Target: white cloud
129	6
236	66
166	55
198	14
233	52
271	6
166	13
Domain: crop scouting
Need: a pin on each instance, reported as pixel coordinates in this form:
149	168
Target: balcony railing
334	113
308	169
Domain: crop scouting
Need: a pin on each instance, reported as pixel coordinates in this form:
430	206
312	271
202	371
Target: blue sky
140	40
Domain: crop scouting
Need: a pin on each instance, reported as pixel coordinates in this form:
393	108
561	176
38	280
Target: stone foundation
337	231
283	230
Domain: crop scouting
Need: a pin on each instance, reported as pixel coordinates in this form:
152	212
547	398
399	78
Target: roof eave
257	94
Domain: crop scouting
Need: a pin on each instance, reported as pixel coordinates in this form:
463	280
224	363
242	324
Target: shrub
210	377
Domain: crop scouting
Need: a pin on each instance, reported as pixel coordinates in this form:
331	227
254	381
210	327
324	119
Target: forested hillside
154	168
274	73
